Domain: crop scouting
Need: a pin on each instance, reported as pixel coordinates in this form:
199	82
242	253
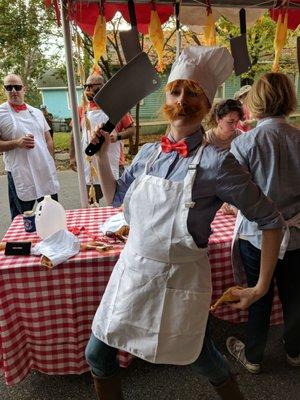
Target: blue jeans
210	363
16	205
287	276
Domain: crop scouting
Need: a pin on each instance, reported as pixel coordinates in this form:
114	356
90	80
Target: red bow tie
18	108
93	106
167	146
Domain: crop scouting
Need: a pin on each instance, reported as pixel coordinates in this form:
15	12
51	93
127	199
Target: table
46	315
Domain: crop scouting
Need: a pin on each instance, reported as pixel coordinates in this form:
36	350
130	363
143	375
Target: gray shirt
219	178
271	153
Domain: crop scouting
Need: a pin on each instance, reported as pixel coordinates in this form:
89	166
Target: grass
61	141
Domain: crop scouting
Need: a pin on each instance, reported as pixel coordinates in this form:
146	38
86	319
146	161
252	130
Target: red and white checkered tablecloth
46	315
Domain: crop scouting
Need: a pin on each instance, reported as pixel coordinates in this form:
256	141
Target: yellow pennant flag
209	37
280	39
99	41
157	38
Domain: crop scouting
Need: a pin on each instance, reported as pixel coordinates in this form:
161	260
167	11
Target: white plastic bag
113	224
58	247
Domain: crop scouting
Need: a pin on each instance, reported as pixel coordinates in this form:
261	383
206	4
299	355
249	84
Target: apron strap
190	177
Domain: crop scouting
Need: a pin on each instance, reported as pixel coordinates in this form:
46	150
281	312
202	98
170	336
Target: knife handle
93	148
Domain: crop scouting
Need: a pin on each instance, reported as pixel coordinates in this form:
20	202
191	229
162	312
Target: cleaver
130	43
130	39
123	91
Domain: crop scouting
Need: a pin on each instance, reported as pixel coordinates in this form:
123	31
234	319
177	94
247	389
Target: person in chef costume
27	148
156	304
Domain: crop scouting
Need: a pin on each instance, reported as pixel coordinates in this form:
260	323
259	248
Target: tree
26	32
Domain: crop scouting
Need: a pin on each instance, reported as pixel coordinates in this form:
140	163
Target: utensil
123	91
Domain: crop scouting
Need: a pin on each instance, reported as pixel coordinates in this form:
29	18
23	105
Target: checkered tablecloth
46	315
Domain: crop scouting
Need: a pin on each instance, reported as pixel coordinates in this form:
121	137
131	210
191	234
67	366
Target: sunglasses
9	88
91	85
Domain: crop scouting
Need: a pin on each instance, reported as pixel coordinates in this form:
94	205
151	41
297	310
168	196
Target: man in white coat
28	149
91	115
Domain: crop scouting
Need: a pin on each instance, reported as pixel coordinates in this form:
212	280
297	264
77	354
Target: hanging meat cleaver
123	91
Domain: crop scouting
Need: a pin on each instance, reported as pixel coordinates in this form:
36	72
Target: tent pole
178	34
73	103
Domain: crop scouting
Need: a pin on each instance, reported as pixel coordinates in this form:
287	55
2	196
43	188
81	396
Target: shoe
229	390
237	349
294	361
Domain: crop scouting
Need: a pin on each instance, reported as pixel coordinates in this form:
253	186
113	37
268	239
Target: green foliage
61	141
26	31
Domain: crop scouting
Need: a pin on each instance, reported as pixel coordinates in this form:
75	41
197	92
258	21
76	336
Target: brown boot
229	390
108	388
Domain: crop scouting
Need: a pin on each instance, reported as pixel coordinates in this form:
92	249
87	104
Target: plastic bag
114	223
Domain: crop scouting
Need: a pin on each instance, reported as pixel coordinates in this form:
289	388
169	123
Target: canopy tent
85	13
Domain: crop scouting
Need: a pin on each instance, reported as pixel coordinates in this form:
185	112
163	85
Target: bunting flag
157	37
209	31
99	41
280	39
80	68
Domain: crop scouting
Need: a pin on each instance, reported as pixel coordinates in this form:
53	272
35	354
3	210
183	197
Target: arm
124	134
271	240
72	153
49	143
25	142
107	180
235	186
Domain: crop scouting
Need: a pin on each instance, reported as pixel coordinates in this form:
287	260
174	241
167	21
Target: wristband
119	137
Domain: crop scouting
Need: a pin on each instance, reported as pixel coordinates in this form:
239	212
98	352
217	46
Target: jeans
210	363
16	205
287	276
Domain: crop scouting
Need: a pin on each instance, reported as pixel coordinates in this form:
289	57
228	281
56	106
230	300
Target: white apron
157	300
98	117
33	171
236	260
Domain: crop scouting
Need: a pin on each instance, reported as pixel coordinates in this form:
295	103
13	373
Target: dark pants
16	205
287	276
210	363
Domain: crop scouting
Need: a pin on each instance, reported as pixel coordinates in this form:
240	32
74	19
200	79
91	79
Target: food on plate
123	231
2	246
98	246
46	262
227	297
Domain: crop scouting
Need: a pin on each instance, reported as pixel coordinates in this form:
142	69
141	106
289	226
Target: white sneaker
237	349
294	361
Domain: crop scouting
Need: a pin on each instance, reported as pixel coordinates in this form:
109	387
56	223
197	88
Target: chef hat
208	66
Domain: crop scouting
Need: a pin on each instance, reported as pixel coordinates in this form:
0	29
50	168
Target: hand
113	136
96	134
246	297
26	142
73	164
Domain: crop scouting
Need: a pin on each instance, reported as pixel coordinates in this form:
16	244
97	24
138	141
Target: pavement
145	381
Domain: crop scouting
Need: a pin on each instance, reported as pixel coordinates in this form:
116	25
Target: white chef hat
208	66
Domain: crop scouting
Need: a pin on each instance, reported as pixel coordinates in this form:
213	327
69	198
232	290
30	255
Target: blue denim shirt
271	153
220	178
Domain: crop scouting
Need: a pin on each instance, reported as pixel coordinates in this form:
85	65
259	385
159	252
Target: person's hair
191	85
221	109
12	75
272	95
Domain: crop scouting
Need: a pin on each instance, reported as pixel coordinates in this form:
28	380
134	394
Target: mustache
176	110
